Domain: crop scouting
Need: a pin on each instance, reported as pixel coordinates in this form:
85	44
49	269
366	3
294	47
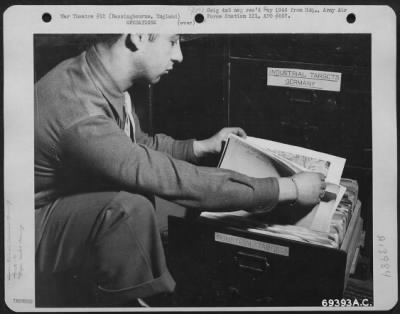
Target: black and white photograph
209	169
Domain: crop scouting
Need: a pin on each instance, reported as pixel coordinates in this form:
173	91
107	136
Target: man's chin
155	80
150	81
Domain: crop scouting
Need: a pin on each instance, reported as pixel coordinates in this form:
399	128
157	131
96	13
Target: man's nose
177	53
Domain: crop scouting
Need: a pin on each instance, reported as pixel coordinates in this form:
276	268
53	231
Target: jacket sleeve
179	149
101	149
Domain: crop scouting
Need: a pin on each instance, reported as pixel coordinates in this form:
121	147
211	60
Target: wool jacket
80	146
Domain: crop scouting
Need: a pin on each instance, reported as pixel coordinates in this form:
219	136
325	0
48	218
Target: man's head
156	54
143	56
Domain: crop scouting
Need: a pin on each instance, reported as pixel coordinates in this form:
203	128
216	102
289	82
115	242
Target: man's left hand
214	144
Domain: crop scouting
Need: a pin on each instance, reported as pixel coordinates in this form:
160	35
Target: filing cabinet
334	122
223	266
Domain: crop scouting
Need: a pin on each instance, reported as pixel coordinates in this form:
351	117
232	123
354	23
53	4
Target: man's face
159	56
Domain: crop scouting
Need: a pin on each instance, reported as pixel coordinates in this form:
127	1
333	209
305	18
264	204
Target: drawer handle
251	262
308	99
300	100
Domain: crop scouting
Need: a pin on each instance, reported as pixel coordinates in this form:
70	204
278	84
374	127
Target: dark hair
87	40
108	39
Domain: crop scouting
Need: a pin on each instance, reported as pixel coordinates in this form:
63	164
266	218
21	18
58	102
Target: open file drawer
219	265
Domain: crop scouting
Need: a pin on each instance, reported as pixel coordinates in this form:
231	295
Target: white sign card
307	79
23	23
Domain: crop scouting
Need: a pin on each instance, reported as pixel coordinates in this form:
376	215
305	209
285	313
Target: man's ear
129	43
135	41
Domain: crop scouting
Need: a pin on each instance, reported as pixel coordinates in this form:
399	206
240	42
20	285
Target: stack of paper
345	209
325	224
244	220
260	158
338	225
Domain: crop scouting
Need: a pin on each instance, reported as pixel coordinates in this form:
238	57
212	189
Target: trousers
100	249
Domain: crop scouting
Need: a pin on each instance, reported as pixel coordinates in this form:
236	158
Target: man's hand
214	144
304	188
310	186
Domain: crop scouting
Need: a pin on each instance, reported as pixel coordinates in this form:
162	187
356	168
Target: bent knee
134	204
133	210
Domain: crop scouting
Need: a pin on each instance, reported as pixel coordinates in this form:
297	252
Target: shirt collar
104	81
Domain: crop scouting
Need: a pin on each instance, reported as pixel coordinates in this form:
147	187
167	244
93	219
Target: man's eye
174	42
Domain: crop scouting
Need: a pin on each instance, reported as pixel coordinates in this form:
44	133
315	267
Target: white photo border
22	22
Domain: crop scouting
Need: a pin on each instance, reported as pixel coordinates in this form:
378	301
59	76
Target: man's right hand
310	187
